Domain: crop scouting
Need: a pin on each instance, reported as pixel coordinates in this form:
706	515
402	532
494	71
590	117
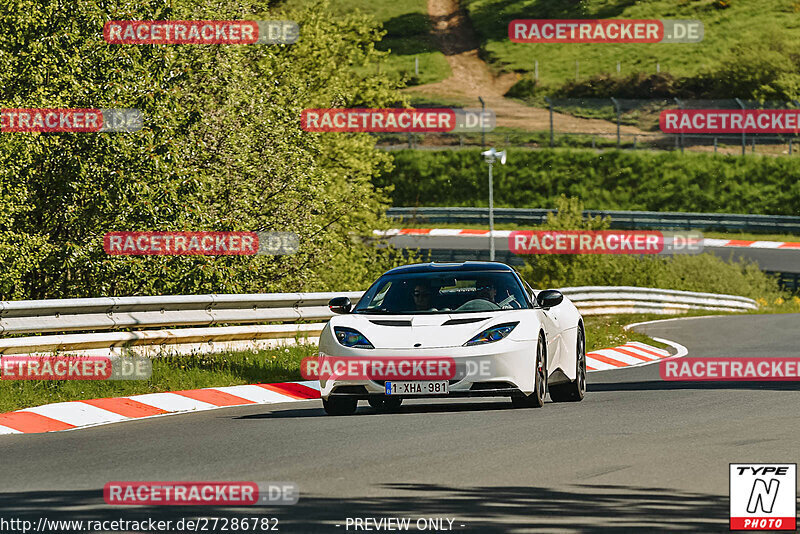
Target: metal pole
416	65
680	106
616	107
483	126
550	105
744	140
617	67
491	214
715	145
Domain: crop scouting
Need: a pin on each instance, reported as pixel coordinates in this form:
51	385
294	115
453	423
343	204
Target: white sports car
504	338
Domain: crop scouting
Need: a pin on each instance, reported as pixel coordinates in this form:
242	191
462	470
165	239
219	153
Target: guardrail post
715	145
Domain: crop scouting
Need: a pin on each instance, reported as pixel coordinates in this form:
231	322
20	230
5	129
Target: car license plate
417	387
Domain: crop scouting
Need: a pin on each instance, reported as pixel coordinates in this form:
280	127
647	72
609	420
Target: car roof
465	266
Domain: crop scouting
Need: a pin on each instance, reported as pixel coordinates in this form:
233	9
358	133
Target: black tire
536	399
573	391
387	403
340	406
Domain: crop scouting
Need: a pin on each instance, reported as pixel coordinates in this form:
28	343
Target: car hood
423	331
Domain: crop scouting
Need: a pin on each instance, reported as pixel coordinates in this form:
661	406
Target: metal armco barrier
128	313
600	300
622	220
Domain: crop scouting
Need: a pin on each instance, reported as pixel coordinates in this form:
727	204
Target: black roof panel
463	266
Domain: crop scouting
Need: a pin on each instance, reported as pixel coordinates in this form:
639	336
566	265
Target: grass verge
172	373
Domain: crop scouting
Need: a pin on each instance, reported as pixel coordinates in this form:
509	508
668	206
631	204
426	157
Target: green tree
222	149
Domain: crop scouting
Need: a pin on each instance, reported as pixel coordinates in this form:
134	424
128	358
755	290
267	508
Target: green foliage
738	37
611	180
222	149
702	272
406	34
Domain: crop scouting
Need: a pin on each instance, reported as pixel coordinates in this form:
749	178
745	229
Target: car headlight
348	337
490	335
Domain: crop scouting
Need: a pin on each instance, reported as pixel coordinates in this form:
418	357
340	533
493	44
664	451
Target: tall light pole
483	128
491	155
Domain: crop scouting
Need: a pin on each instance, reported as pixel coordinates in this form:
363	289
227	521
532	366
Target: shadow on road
576	508
665	385
364	410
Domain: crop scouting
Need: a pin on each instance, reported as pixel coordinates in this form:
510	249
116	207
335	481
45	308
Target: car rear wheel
573	391
385	403
340	406
535	399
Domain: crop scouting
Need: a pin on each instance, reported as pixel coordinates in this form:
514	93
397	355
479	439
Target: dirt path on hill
472	78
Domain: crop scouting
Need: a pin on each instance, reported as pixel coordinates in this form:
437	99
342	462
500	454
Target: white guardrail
120	320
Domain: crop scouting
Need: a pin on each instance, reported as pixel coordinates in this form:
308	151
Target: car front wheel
573	391
535	399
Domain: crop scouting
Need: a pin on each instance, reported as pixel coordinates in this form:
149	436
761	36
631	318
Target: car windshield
443	292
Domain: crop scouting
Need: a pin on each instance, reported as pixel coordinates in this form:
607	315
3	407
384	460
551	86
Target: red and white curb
630	354
87	413
449	232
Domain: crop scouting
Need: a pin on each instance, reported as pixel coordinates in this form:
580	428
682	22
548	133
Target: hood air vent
452	322
390	323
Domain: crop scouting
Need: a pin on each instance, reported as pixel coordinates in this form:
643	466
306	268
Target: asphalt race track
638	454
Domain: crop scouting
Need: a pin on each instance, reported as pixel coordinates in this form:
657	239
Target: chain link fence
603	123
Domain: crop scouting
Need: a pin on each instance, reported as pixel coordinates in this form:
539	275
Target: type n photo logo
763	496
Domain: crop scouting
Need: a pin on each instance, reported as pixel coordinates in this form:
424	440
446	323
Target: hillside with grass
750	49
408	36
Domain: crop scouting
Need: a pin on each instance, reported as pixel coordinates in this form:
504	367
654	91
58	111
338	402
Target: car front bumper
503	368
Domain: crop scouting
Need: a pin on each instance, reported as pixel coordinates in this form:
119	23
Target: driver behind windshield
486	290
422	297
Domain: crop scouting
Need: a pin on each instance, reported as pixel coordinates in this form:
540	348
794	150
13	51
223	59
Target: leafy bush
702	272
221	149
611	180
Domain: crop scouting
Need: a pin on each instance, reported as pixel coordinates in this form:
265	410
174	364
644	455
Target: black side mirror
549	298
340	305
